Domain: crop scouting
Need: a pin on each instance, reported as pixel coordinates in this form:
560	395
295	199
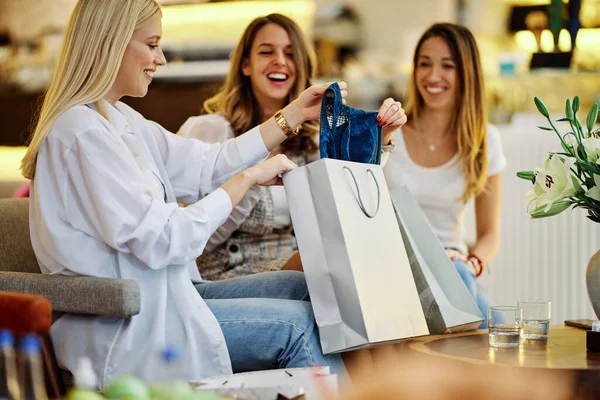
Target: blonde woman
105	187
271	65
447	153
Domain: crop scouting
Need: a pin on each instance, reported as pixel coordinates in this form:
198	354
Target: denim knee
294	284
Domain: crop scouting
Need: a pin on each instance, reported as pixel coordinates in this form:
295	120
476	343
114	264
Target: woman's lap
267	322
288	285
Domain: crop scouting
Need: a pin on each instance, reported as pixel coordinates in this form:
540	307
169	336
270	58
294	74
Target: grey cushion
78	294
20	272
16	253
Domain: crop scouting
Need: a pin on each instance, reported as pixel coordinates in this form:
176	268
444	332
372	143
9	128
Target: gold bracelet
283	124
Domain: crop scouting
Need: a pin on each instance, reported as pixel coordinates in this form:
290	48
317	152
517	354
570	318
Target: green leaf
546	128
565	119
541	107
528	175
586	166
594	218
581	153
591	117
594	215
569	109
575	104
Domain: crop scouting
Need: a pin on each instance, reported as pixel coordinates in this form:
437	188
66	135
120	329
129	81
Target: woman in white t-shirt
447	153
272	63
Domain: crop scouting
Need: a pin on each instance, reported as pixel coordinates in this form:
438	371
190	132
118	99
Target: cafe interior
369	45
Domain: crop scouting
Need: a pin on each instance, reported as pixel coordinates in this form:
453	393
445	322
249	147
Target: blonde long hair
236	101
94	44
470	117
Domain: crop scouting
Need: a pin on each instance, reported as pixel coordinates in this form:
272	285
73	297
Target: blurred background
369	44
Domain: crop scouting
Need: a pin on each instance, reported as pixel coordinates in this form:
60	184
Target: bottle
31	370
170	386
9	384
85	377
85	382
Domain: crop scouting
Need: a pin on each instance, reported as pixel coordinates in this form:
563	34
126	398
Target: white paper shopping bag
446	302
358	274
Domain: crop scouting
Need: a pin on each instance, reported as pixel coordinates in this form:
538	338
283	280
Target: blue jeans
268	322
470	280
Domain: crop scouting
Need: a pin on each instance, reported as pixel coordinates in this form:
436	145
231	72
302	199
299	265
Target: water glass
504	324
536	318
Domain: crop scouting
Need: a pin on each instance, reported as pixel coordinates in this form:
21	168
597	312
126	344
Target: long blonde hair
470	117
94	44
236	101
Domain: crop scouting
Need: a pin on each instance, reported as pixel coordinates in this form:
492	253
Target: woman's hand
391	116
306	107
457	255
268	172
309	101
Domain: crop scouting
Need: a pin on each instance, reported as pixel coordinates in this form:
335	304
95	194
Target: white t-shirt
438	189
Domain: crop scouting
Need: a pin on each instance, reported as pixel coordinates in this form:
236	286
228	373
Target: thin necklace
430	146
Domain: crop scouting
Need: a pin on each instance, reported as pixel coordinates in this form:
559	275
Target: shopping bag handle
360	202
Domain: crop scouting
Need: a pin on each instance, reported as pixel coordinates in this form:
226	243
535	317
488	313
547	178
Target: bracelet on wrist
283	124
476	261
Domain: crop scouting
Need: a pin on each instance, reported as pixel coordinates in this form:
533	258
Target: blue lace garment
348	133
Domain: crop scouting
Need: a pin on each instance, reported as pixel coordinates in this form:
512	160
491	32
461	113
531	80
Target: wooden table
564	349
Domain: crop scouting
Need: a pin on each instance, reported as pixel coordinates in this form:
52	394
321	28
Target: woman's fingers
391	113
271	170
396	120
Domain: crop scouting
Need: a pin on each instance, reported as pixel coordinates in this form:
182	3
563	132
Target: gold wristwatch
283	124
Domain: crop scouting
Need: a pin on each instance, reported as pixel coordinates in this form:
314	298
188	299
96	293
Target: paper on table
290	382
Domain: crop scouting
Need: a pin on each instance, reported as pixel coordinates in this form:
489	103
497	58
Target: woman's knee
294	284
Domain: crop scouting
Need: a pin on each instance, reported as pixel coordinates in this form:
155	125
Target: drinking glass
536	318
504	323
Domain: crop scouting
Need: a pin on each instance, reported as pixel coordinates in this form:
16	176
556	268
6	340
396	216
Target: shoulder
209	128
76	122
493	135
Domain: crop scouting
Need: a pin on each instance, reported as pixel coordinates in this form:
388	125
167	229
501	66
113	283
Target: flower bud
591	118
541	107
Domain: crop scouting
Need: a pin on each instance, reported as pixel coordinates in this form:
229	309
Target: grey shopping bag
357	270
446	302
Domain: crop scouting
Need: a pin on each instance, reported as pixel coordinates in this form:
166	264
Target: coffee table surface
564	349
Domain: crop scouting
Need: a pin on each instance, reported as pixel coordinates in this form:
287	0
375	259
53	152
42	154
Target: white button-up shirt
104	204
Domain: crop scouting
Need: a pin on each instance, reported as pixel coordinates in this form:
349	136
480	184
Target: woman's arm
214	128
196	168
306	107
487	220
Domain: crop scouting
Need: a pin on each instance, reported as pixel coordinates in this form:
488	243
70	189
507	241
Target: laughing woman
271	65
106	184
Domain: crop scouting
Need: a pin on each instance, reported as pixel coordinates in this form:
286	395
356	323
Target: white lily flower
554	183
594	192
591	146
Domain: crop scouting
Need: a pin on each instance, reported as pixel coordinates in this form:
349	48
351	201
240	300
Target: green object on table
127	387
179	390
84	394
